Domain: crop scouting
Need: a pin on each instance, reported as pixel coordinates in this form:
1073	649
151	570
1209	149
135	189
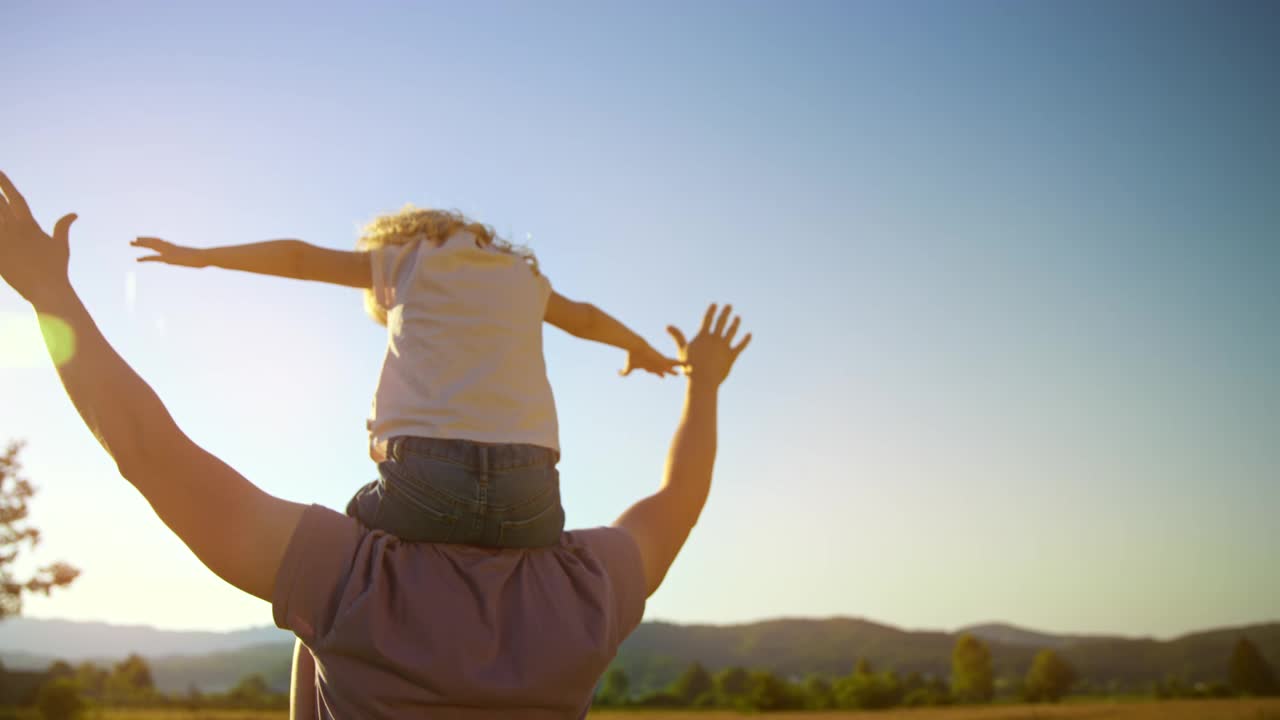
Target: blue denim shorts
458	491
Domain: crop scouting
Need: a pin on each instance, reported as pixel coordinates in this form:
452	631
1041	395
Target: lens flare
59	338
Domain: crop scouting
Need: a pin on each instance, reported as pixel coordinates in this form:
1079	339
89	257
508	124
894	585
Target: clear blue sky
1012	268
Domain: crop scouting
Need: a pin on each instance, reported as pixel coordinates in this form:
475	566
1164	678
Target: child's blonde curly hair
434	226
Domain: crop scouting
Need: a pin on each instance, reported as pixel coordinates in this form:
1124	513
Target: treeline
63	692
972	681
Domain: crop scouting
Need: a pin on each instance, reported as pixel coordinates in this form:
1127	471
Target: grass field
1172	710
1169	710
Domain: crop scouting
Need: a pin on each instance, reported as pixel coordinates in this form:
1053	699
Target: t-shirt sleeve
314	572
620	555
544	291
385	263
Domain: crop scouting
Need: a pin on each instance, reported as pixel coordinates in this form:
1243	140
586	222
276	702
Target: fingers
151	258
741	346
62	228
706	319
724	318
17	205
677	336
733	329
150	243
668	367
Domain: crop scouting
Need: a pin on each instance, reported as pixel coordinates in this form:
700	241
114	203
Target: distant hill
220	671
1020	637
71	640
657	652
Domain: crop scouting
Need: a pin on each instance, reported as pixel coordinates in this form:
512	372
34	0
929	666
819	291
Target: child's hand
650	360
170	254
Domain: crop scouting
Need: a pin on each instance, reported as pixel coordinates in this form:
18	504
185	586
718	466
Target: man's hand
710	357
33	262
170	254
651	361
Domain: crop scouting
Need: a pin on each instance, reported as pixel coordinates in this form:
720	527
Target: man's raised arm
235	529
661	523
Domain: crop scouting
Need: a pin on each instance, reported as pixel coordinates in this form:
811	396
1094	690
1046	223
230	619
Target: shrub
59	699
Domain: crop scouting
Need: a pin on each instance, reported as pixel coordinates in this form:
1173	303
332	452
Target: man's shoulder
613	542
616	551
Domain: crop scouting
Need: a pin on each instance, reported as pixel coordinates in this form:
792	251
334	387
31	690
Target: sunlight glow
20	343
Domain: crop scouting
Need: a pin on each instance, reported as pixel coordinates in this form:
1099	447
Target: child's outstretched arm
589	322
281	258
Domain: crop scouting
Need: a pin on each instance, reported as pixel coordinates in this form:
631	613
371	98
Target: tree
692	684
733	682
130	681
617	687
1248	672
252	691
135	673
15	533
1048	678
931	693
92	680
59	699
818	694
868	691
768	692
972	679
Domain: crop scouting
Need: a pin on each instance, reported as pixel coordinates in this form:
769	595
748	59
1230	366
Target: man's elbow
682	510
133	465
138	463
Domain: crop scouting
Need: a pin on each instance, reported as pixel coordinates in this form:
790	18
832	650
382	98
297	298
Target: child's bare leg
302	690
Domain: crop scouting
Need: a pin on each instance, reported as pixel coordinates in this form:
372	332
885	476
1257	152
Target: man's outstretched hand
710	356
33	262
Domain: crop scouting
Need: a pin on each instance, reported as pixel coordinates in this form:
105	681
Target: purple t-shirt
403	629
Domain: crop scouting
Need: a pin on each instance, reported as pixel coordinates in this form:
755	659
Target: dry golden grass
186	715
1171	710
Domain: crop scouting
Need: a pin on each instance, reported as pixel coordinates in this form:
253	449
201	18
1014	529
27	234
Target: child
464	423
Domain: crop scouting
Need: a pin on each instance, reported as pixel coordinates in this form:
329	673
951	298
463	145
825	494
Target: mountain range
657	651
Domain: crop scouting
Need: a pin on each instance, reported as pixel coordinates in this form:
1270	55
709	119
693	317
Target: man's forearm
121	410
693	454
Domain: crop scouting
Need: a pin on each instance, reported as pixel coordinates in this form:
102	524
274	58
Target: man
395	629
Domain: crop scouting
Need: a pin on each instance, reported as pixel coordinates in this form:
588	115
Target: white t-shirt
464	346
